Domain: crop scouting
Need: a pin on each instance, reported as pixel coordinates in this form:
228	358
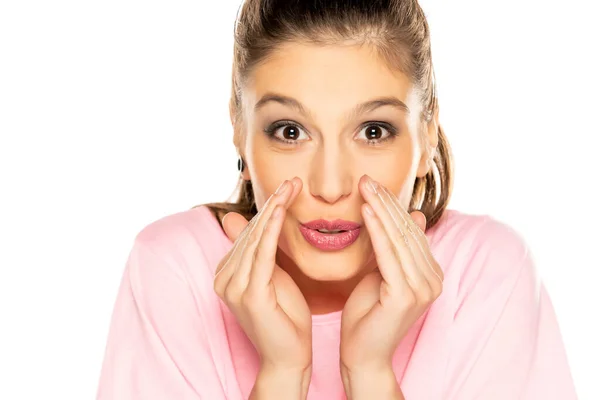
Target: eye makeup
296	131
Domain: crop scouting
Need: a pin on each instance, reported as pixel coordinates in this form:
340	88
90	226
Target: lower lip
329	241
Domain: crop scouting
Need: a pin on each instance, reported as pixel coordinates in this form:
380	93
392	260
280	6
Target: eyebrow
361	108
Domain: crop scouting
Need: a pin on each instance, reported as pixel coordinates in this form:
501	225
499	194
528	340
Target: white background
114	114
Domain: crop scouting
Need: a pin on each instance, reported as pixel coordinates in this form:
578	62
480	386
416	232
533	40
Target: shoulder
192	237
479	249
458	226
469	236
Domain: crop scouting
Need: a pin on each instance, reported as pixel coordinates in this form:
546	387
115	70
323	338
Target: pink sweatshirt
492	333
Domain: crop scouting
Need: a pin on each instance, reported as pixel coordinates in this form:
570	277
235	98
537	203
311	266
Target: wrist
370	383
273	382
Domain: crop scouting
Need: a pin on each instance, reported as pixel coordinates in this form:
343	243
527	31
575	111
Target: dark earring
240	164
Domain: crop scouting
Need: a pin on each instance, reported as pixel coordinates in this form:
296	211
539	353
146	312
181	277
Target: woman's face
329	115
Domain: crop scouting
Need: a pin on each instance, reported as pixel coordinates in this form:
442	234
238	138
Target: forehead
320	75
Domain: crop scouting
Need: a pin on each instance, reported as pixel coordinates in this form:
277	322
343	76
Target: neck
322	297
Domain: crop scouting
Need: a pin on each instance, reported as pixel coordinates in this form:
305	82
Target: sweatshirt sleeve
505	340
158	347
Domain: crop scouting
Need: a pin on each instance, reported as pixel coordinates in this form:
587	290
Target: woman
352	278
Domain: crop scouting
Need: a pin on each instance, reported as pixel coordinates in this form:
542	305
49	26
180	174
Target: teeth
326	231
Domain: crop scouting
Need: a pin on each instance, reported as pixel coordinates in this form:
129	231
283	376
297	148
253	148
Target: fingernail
372	185
282	188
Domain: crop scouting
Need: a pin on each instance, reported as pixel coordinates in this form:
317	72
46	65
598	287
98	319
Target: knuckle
254	256
269	225
244	232
409	299
254	236
218	287
250	300
440	277
424	298
409	229
232	293
388	247
219	282
399	236
219	268
249	226
437	289
433	292
435	266
429	298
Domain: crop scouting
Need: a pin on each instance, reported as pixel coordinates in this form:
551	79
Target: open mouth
331	232
330	235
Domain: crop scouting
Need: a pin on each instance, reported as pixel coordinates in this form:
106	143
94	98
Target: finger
420	219
416	229
233	225
416	239
297	188
236	227
240	251
229	263
261	274
385	253
227	268
399	237
242	275
266	249
417	243
421	223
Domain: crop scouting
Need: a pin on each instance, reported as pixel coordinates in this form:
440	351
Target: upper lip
338	224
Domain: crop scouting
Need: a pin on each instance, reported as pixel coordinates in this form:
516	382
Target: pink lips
330	241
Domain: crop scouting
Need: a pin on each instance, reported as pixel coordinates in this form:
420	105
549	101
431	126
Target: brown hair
398	32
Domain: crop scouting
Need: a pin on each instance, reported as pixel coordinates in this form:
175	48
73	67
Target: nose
330	177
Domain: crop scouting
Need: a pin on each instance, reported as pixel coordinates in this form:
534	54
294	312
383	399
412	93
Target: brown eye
290	132
286	132
373	132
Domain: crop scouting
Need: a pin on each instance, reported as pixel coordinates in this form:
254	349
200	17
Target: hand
389	300
265	300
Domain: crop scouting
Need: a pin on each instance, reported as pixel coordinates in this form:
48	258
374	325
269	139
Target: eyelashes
296	133
272	129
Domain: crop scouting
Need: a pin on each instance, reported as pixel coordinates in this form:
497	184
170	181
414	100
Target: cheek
269	170
265	177
397	174
394	169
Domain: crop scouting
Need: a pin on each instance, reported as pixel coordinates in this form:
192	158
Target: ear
239	144
430	145
246	171
246	174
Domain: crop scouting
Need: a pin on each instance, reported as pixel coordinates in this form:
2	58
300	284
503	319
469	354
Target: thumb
419	219
233	225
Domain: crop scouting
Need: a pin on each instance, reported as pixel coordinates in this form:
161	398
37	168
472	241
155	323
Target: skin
272	279
333	154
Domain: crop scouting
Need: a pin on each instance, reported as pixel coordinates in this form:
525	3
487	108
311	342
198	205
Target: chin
336	266
327	265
